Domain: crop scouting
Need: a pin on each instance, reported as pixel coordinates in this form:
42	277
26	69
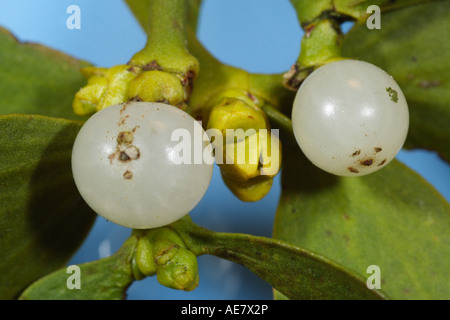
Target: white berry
350	118
123	165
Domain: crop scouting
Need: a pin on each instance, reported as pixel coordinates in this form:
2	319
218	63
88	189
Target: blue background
256	35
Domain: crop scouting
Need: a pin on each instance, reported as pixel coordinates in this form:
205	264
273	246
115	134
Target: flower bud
250	191
105	87
232	113
158	86
181	272
144	257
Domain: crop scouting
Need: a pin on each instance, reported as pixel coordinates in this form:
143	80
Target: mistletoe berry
350	118
123	165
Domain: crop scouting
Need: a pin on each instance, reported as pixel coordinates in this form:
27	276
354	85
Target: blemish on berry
125	105
124	157
128	175
378	149
367	162
356	153
111	157
392	94
131	153
382	162
125	137
353	170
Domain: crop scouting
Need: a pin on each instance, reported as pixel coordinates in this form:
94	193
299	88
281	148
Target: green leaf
104	279
42	217
297	273
412	45
392	218
36	79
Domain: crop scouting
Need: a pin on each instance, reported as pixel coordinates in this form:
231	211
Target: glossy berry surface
350	118
128	170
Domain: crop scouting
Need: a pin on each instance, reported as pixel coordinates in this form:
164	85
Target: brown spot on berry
111	157
367	162
356	153
130	153
378	149
382	162
125	105
124	157
125	137
353	170
128	175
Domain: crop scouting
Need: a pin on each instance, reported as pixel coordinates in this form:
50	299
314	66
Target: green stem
165	22
278	119
217	78
321	44
321	19
166	25
308	11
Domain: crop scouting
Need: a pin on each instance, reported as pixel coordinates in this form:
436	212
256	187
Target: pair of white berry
349	118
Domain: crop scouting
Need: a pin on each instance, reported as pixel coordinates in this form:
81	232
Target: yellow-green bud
105	87
258	154
251	190
165	234
88	97
181	272
232	113
158	86
144	256
119	78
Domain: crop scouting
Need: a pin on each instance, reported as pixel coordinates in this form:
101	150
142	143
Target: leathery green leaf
412	45
42	217
35	79
104	279
392	219
297	273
